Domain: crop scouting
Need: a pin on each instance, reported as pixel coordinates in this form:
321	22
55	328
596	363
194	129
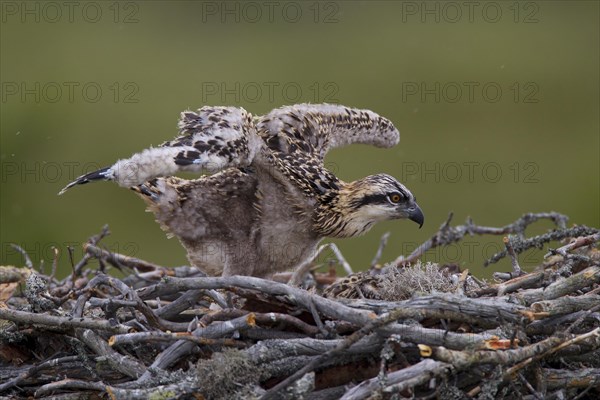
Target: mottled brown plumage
273	200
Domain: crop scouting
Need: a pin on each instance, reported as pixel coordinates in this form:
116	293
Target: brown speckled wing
317	128
213	138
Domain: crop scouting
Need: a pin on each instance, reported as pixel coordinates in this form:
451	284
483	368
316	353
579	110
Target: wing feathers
215	138
317	128
211	139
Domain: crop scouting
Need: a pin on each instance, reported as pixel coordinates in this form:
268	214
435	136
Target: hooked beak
415	214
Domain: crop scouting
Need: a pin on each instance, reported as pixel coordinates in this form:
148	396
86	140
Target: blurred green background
497	104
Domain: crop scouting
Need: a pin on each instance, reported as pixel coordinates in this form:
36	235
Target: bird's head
375	198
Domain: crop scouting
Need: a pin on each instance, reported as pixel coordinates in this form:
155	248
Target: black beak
415	214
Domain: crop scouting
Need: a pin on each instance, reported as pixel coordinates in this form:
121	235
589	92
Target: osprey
270	200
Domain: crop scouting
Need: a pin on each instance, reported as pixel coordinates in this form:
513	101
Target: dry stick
525	383
183	302
586	278
338	254
584	315
346	343
382	243
577	243
595	333
545	324
54	264
437	337
54	322
218	298
317	319
531	279
288	320
184	388
70	384
582	378
539	241
567	304
269	350
119	260
400	380
102	279
466	359
86	257
181	348
124	364
517	271
540	350
305	267
35	370
145	337
18	248
481	311
72	261
222	315
298	275
329	308
447	234
261	318
540	379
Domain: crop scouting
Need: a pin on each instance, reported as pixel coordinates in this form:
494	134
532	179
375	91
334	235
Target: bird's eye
395	197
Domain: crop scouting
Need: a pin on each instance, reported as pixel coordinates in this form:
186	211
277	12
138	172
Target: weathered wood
169	333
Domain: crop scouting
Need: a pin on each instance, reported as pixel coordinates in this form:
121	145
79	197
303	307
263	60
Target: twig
513	256
54	264
399	381
298	275
447	235
539	241
133	338
102	279
301	297
548	347
340	257
261	318
576	243
382	243
53	322
571	284
18	248
179	348
126	365
119	260
349	341
35	370
70	384
86	257
299	339
305	267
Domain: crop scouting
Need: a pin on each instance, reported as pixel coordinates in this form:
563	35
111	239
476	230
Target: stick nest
408	329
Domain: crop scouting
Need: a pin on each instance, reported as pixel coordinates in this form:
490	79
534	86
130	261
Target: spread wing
317	128
211	139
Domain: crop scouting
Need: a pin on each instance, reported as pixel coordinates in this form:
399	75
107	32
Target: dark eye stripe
371	199
379	199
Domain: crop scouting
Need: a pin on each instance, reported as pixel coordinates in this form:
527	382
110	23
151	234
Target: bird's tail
103	174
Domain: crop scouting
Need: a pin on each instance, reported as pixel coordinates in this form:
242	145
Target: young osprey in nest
270	200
